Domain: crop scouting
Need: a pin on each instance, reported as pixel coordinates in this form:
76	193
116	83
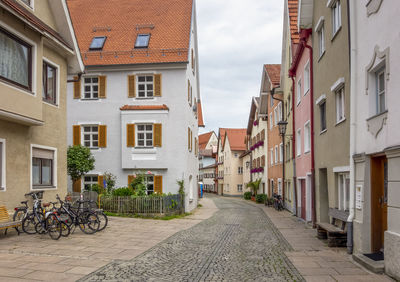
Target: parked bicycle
278	202
20	213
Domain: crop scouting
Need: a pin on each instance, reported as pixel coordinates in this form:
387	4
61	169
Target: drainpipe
353	124
75	80
312	131
294	145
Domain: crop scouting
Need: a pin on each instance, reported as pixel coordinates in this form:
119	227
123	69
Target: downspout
353	124
75	80
294	145
312	132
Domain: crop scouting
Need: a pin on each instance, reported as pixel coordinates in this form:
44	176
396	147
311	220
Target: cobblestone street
239	243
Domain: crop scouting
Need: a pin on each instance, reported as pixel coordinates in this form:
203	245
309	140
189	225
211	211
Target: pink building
301	73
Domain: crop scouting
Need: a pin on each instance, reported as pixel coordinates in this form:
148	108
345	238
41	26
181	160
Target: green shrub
99	189
260	198
247	195
123	191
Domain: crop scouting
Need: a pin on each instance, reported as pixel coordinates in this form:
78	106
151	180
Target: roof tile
236	137
274	73
293	13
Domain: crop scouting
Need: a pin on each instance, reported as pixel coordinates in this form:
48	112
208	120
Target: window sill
306	92
321	55
144	98
377	115
2	189
144	150
17	86
307	152
340	121
44	187
336	33
323	131
90	99
50	103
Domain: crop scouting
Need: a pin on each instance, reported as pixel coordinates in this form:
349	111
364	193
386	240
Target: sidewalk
312	257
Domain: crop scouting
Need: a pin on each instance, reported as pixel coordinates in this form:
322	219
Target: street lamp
282	127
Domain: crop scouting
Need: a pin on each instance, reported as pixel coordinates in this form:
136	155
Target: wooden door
378	202
303	198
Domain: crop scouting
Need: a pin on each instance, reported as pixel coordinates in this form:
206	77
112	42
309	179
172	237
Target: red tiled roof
200	115
236	138
204	138
143	107
32	19
274	74
168	22
293	13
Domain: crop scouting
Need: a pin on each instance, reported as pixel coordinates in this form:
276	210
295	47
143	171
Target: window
380	91
240	187
287	154
306	78
145	86
288	193
97	43
276	154
271	101
270	121
280	187
91	136
15	60
298	91
142	41
298	142
149	180
271	156
275	116
28	2
144	135
307	137
236	155
42	168
49	83
281	153
336	17
340	105
321	41
322	112
343	191
240	170
2	165
91	87
89	181
279	110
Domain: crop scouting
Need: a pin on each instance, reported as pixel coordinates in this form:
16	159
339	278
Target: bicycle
31	218
65	229
20	213
278	203
100	213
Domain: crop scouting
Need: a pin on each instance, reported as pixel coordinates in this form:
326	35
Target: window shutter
189	91
158	184
77	185
102	136
130	179
189	139
77	88
258	162
263	134
192	60
102	86
263	160
76	129
131	86
157	135
157	85
100	179
130	135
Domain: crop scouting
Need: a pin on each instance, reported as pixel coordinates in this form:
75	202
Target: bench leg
5	232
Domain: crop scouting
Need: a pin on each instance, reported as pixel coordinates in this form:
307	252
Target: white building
138	104
208	143
375	132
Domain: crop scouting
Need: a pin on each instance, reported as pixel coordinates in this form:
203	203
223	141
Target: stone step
372	265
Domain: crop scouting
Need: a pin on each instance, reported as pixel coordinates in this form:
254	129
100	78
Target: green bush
260	198
247	195
99	189
123	191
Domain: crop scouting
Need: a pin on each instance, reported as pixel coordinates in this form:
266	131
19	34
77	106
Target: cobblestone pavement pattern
239	243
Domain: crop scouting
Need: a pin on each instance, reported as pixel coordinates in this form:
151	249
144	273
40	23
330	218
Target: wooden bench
6	222
337	236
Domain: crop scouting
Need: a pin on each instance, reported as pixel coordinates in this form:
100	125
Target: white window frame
323	102
276	154
321	40
137	132
343	198
147	183
57	67
54	168
379	93
91	134
336	17
31	5
275	116
3	186
92	85
279	186
271	122
307	137
240	187
240	170
298	142
281	152
306	78
298	91
91	182
288	191
280	111
146	85
271	151
340	110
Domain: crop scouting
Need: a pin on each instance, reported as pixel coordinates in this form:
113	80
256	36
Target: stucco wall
261	151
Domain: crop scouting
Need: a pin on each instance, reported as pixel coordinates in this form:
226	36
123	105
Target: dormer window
97	43
142	41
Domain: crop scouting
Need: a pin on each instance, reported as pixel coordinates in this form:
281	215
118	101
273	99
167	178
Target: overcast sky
236	38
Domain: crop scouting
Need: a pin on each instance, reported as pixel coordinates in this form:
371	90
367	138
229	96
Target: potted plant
254	187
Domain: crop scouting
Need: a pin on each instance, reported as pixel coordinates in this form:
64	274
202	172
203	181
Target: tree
79	161
110	181
254	186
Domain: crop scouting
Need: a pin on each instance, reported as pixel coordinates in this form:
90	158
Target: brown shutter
100	179
188	138
130	135
131	86
157	85
263	134
102	136
263	161
76	129
157	135
130	179
191	140
102	86
76	186
158	184
77	88
192	60
258	162
189	91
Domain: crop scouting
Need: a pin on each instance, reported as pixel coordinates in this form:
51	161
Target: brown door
303	198
378	202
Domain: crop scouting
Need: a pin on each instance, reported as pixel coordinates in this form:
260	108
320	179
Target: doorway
379	192
303	198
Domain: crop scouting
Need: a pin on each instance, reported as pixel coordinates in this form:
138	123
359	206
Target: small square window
97	43
142	41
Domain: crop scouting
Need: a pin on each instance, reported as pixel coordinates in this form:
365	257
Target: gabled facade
138	104
37	52
208	143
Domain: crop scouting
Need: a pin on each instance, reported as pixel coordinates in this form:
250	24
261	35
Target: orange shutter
77	185
157	135
157	85
100	180
263	134
131	86
130	179
76	130
77	88
192	59
130	135
102	87
102	136
191	140
158	184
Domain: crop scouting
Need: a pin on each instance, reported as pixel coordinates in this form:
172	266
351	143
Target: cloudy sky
236	38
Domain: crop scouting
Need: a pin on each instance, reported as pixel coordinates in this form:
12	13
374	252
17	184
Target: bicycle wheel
29	223
19	216
54	227
65	229
103	220
89	222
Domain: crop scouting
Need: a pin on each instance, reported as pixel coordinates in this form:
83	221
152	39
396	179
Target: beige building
246	161
208	143
37	51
